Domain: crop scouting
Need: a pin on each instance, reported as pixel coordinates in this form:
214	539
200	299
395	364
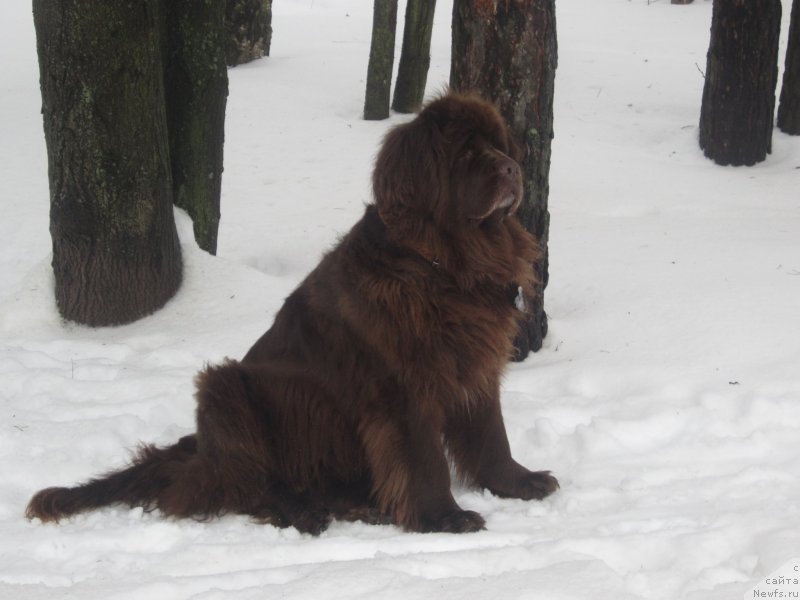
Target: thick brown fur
382	365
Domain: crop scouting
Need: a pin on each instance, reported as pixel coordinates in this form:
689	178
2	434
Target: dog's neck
403	244
468	258
427	255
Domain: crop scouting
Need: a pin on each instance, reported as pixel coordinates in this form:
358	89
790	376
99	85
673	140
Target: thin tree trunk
736	116
507	52
116	255
248	30
381	60
789	107
196	89
415	57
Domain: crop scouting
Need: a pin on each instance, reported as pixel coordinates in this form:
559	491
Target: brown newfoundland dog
382	365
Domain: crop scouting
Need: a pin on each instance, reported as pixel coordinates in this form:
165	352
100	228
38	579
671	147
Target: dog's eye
468	154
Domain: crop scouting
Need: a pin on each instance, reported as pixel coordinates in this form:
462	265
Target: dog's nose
509	168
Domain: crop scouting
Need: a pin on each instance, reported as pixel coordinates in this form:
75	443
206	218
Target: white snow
666	398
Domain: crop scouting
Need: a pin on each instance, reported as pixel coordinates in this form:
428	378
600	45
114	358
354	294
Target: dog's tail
175	479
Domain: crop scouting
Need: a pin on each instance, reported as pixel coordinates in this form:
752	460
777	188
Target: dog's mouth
507	204
507	201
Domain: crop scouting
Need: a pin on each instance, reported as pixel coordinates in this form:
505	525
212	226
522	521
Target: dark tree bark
415	57
196	88
736	116
116	255
248	30
789	106
381	60
507	52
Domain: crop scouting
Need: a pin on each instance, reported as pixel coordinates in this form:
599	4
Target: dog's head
455	164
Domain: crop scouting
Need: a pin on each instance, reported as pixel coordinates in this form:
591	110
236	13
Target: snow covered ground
666	398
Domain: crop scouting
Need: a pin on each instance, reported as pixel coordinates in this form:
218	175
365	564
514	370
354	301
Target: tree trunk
742	71
196	88
507	52
116	255
789	107
415	57
248	30
381	60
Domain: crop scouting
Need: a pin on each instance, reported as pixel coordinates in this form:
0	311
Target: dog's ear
407	173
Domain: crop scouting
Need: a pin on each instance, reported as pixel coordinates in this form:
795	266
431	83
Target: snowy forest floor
666	398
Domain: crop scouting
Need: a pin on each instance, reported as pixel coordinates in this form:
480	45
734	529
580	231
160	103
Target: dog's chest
476	325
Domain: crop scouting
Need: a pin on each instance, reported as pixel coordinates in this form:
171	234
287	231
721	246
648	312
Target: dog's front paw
530	485
457	521
313	522
536	485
